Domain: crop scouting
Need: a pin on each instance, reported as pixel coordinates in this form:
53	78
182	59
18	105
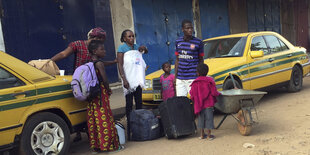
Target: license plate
157	97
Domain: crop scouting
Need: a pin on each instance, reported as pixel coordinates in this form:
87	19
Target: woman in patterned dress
82	56
101	127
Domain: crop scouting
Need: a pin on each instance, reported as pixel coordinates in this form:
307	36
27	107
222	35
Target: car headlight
148	83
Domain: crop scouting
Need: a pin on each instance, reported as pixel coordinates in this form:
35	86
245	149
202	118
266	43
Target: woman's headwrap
96	32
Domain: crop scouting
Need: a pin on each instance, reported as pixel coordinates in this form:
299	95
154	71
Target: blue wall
35	29
214	18
157	25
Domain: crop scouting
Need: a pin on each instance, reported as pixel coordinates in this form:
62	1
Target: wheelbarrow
240	104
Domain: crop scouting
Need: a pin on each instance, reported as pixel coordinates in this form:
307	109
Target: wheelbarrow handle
233	80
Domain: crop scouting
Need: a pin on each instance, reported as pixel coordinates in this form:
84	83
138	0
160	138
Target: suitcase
144	125
177	117
46	65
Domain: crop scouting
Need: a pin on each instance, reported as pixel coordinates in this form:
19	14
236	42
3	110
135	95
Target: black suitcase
177	117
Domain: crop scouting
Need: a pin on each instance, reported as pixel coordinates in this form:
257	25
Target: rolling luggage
177	117
144	125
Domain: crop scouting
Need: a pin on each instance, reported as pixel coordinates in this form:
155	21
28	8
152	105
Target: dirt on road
283	129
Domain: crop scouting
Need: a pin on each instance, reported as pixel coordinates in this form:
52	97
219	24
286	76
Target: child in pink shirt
166	81
203	94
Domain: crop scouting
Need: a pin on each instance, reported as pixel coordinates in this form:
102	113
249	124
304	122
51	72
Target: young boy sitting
203	94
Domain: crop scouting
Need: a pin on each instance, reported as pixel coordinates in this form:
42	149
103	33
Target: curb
116	85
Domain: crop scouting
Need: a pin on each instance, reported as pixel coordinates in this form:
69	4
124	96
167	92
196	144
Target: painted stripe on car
7	97
260	68
267	74
53	89
38	101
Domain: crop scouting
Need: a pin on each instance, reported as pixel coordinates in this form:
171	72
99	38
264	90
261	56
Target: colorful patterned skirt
100	122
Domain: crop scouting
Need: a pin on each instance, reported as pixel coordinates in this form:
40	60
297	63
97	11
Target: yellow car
256	61
37	111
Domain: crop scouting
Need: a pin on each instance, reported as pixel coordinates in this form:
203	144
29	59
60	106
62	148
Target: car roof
240	35
23	69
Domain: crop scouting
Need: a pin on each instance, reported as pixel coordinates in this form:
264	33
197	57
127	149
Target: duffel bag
144	125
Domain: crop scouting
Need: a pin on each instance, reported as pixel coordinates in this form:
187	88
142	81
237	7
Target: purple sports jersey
188	53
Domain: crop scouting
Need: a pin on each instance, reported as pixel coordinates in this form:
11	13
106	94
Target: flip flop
120	148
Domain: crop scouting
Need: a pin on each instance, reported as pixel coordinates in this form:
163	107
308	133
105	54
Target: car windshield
229	47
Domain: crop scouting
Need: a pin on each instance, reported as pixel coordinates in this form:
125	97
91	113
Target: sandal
204	136
211	137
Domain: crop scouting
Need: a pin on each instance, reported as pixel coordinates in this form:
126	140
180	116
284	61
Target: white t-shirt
134	68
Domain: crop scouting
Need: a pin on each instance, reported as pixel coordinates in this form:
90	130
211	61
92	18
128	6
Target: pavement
117	100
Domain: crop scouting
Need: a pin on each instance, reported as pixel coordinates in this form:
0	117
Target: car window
229	47
273	43
258	44
8	80
283	45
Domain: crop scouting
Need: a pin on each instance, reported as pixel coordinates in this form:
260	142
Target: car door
282	56
16	94
261	68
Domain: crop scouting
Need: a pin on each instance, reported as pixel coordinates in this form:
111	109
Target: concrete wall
308	50
196	18
122	18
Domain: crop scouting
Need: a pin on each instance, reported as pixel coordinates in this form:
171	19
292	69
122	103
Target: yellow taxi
256	61
38	112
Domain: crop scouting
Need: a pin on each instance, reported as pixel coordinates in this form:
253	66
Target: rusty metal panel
301	21
237	16
287	21
263	15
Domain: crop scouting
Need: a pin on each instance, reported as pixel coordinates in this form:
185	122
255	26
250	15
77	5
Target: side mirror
256	54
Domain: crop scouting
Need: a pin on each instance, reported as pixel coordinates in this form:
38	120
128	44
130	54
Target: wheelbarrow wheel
245	130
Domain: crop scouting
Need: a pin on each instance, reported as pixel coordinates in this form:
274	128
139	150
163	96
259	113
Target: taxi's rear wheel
295	83
45	133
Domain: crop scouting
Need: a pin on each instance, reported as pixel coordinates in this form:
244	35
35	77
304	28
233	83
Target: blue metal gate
31	28
214	18
157	25
35	29
263	15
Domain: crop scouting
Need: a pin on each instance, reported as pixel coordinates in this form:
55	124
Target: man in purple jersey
189	53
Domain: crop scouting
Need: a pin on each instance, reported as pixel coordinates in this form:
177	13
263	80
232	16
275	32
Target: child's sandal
211	137
203	137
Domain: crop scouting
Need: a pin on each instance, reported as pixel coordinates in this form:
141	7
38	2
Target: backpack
85	84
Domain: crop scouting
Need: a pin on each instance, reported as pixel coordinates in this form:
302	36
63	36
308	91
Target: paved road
228	141
117	102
